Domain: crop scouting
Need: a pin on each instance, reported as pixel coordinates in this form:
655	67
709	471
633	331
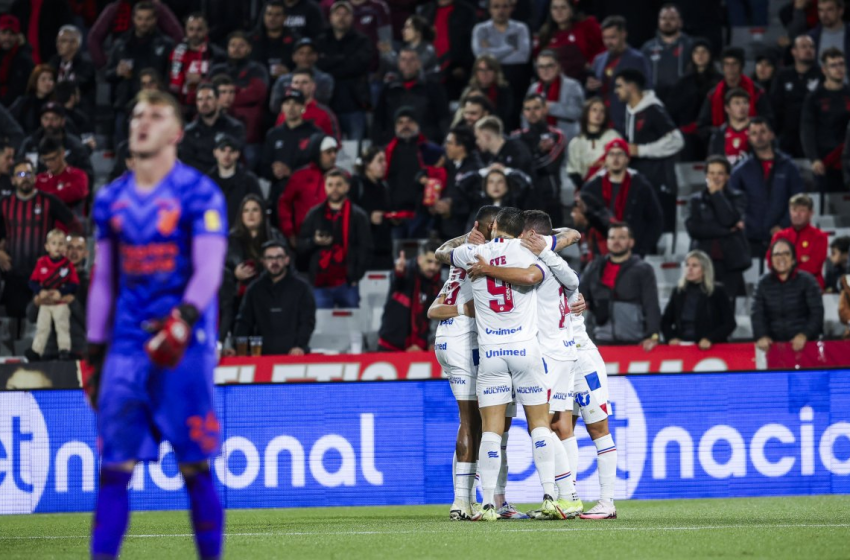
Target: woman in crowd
787	304
586	152
699	309
418	35
498	188
27	109
575	43
488	78
765	71
370	192
691	91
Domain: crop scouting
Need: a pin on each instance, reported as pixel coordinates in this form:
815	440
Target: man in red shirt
68	184
810	243
191	60
731	139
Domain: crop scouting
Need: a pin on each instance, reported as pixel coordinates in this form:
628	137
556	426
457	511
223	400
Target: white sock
544	458
489	459
464	481
502	481
562	469
454	473
606	464
476	483
571	447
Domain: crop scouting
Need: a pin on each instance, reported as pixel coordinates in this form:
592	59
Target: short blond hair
156	97
802	199
56	233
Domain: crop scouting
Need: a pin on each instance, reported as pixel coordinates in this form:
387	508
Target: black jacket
714	318
76	153
10	128
375	197
27	111
787	95
283	313
287	145
265	50
546	194
824	121
428	100
463	187
359	241
514	154
235	188
199	139
348	61
20	68
54	14
461	22
150	52
691	92
406	290
711	218
782	310
83	73
305	18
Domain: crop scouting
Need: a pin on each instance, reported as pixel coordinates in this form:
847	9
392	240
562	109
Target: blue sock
111	513
207	514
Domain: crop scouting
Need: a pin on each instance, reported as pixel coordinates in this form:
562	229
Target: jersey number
452	291
504	301
563	305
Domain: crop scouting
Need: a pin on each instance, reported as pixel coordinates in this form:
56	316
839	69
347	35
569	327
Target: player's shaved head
485	217
538	221
510	221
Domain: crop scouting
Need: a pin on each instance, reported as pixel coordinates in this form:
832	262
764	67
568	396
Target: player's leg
62	324
42	329
465	453
207	513
112	510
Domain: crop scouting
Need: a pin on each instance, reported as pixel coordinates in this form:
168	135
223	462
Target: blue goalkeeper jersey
152	235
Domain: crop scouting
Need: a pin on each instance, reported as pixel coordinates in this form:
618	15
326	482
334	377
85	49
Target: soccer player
161	242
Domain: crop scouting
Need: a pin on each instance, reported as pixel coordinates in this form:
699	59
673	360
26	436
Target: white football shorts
560	380
511	369
458	356
590	388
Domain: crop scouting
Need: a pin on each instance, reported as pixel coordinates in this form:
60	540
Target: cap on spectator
296	94
53	107
766	57
405	111
701	42
226	141
342	4
328	143
8	21
617	143
305	42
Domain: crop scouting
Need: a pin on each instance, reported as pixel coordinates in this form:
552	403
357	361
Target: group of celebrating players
511	332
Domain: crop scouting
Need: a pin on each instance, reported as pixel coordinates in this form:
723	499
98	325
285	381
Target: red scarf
392	146
6	69
620	203
552	93
333	270
718	100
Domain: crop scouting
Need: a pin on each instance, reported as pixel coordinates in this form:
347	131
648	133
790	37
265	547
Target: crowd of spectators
580	108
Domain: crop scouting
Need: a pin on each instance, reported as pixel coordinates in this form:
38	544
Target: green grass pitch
801	528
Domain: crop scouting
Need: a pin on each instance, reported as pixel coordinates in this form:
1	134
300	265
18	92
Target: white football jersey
583	341
556	331
503	313
458	290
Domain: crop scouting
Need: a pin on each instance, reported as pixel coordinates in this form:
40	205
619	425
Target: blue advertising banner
678	436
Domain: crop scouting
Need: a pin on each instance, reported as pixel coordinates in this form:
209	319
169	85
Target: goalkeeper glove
91	369
173	335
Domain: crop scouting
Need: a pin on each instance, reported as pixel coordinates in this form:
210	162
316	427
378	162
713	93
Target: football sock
111	514
562	469
464	482
606	463
502	481
489	459
571	447
475	484
207	514
544	458
454	473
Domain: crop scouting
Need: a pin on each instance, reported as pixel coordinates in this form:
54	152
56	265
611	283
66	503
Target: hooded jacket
782	310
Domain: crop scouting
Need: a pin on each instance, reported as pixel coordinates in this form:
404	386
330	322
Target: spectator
53	124
765	72
548	148
306	187
621	195
249	231
139	48
226	90
346	54
16	62
414	287
713	111
810	243
425	98
7	160
278	306
640	18
844	306
472	109
790	89
715	223
304	57
823	126
371	18
496	148
575	41
832	31
410	157
621	292
68	96
453	21
463	182
40	90
318	114
787	304
73	65
618	56
54	281
508	41
488	79
371	192
691	92
272	42
116	19
769	179
40	23
25	218
232	178
202	134
68	184
400	10
587	150
10	131
191	61
699	309
336	240
226	17
287	146
304	18
151	80
731	140
668	53
654	141
499	187
838	264
252	85
418	35
563	96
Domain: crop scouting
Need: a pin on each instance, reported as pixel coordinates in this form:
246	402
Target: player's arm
444	253
530	276
564	237
541	245
441	311
98	312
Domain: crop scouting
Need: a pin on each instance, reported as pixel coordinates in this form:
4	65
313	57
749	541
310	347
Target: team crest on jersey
167	220
63	272
37	209
212	220
303	143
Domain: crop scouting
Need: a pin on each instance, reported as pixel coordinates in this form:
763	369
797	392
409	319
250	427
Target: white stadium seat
337	330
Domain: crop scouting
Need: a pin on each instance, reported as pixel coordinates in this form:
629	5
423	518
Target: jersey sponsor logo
212	220
493	454
149	259
442	346
568	343
530	390
167	220
504	352
560	396
446	322
457	380
502	332
497	390
539	444
582	398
